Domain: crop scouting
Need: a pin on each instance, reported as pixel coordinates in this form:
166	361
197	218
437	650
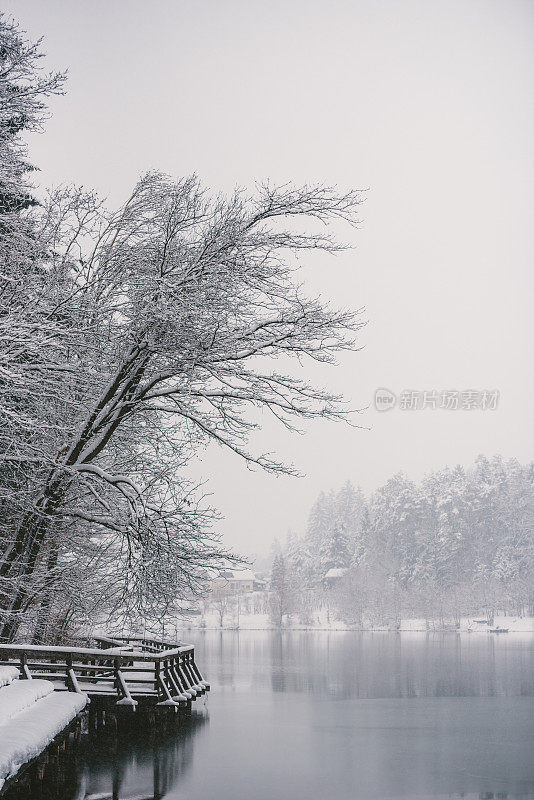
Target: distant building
334	575
235	581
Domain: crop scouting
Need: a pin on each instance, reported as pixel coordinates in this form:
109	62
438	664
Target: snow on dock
31	715
19	695
8	674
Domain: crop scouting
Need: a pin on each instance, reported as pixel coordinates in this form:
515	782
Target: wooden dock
122	671
116	676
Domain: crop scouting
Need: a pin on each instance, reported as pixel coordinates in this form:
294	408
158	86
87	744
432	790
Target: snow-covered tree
335	550
319	521
23	92
350	503
280	591
131	338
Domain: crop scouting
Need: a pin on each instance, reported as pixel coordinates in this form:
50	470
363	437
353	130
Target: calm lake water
340	715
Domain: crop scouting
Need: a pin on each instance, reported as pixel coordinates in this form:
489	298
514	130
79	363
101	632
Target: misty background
429	106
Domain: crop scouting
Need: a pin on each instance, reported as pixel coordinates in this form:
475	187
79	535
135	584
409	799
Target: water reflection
373	665
301	716
141	764
361	715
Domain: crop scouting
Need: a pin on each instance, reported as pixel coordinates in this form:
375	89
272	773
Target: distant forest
459	543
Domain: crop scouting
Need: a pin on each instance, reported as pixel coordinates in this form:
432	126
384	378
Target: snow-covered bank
31	715
324	622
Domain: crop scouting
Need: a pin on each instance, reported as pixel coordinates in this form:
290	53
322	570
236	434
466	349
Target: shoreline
260	622
290	629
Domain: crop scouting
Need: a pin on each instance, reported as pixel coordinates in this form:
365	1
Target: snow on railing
126	668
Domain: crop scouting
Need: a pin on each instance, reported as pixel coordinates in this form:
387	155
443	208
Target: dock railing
126	668
149	645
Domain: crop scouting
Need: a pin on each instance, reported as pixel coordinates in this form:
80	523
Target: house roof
239	575
336	572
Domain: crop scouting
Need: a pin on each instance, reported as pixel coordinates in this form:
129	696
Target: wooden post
122	687
156	676
197	672
168	701
186	681
169	674
24	669
188	693
185	694
71	677
191	677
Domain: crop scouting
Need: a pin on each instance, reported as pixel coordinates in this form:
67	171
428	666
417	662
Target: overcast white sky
428	103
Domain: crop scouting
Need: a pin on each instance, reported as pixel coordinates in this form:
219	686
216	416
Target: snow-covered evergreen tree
350	503
280	594
335	551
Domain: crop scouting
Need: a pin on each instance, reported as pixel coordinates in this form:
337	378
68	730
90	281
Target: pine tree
318	521
280	590
349	506
23	92
363	539
335	551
